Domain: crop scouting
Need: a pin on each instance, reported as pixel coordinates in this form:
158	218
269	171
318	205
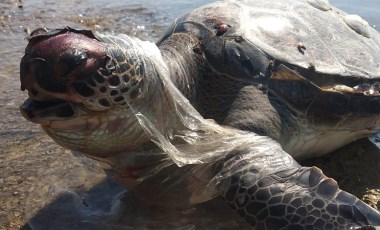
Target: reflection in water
368	9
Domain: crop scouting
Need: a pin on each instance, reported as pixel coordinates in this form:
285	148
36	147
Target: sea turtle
282	79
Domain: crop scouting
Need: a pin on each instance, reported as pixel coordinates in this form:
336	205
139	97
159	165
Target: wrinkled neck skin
150	103
173	60
157	111
185	64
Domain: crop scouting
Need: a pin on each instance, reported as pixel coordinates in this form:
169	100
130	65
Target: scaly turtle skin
301	72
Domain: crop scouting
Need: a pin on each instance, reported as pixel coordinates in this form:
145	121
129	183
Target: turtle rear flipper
290	198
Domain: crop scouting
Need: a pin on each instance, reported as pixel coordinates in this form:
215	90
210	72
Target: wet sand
26	153
28	157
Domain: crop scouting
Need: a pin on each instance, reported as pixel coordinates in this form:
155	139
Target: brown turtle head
76	92
57	59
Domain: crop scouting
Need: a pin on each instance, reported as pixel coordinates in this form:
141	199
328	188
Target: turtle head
77	91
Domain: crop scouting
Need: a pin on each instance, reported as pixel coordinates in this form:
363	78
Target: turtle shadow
356	168
119	209
72	210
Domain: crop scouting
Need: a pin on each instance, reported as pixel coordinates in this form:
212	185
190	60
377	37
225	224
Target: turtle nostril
29	68
35	70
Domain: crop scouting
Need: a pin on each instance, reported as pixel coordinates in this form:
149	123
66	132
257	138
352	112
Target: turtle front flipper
289	198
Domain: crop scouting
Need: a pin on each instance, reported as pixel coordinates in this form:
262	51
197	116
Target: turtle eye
71	60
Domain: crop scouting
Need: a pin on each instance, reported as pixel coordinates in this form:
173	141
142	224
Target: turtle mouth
43	109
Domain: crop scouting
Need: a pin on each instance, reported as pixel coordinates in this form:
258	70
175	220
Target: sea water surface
29	157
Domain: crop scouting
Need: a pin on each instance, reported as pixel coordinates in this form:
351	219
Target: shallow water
28	159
